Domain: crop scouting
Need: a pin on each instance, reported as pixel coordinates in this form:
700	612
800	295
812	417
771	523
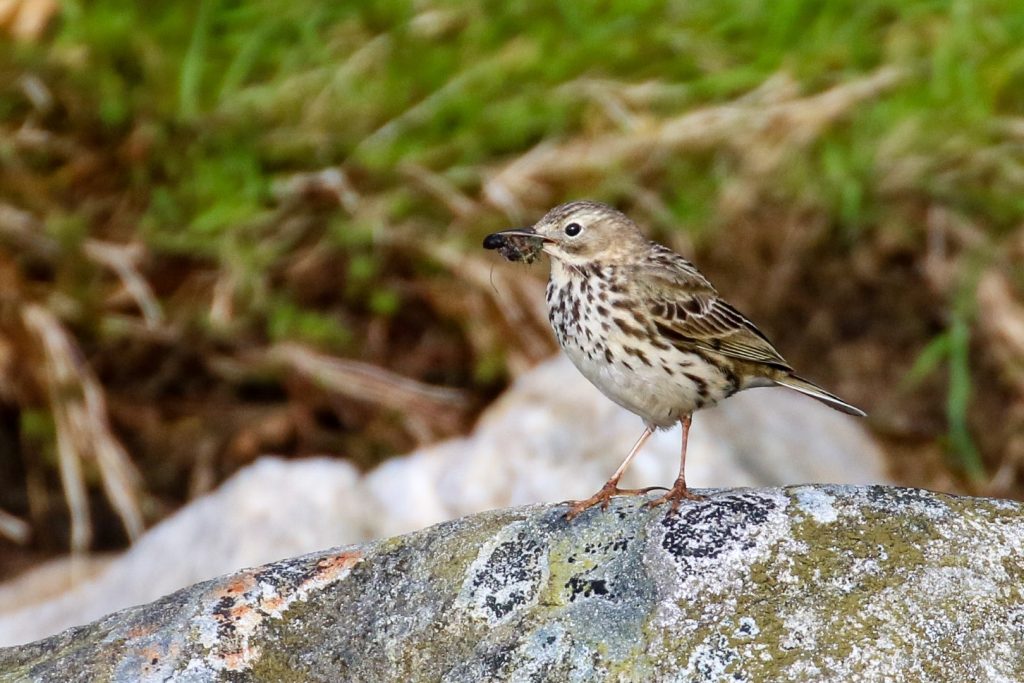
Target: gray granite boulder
806	583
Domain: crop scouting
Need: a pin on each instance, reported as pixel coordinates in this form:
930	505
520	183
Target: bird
645	327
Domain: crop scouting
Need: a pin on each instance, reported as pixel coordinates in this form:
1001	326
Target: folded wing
687	311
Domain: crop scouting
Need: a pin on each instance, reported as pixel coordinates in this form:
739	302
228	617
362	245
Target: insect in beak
519	244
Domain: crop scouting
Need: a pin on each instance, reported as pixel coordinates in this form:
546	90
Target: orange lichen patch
150	656
238	616
227	630
330	569
236	610
273	603
140	631
153	659
240	660
238	584
342	562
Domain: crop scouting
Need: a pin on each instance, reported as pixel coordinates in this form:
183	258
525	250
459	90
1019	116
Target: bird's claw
603	498
675	496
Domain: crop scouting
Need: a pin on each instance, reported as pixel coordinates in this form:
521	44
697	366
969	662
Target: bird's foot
603	498
675	496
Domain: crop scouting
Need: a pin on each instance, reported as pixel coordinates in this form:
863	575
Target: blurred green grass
238	93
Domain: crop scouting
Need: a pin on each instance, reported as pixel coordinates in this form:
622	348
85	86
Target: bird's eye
573	229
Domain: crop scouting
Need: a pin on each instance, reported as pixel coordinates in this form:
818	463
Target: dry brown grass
78	404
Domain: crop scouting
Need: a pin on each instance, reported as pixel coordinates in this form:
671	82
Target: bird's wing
687	311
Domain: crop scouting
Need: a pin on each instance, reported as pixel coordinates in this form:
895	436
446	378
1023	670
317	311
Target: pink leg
679	490
611	487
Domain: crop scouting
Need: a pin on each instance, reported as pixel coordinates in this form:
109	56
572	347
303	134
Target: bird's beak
497	239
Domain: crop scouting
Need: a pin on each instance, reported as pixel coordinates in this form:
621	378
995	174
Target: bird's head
584	232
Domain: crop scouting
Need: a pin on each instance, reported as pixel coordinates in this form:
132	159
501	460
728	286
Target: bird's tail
814	391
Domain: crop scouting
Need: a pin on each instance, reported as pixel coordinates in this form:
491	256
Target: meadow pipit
645	327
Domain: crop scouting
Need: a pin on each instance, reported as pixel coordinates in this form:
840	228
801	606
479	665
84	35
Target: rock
551	437
824	583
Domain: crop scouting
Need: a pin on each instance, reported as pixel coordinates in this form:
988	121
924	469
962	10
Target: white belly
659	397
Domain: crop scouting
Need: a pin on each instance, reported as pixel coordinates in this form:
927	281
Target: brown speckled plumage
647	328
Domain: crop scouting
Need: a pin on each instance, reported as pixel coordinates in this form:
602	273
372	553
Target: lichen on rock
804	583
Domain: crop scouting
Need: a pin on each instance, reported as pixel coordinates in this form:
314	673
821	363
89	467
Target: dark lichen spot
716	660
512	563
746	629
892	497
498	660
580	586
708	529
223	612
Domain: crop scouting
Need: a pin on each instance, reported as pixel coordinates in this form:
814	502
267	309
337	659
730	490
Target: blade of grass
192	64
928	361
958	400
